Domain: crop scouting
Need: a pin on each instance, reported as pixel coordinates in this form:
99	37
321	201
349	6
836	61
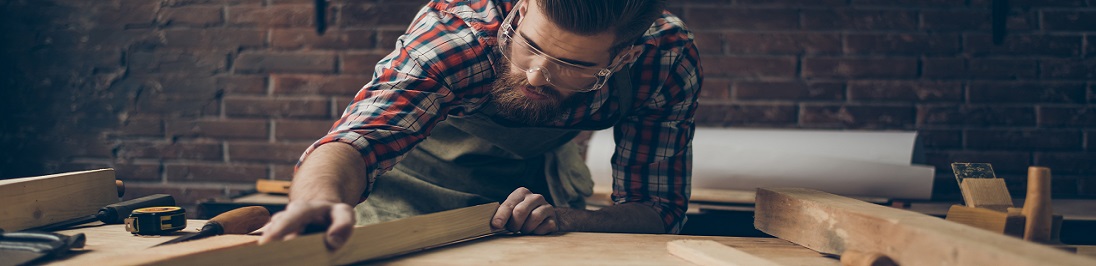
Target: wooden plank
272	186
431	230
832	224
367	243
711	253
112	245
35	201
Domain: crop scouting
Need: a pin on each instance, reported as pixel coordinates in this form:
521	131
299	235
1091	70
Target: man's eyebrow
571	61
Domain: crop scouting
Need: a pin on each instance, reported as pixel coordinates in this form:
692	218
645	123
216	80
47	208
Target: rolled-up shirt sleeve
410	92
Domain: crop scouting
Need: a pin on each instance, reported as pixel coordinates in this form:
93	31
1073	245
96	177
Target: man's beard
511	103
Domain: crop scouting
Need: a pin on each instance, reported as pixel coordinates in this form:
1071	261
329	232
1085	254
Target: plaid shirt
442	66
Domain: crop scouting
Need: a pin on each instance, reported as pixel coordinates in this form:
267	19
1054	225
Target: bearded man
479	103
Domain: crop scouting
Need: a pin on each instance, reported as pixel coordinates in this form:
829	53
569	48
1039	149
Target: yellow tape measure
156	220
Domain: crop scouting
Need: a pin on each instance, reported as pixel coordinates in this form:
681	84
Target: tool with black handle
238	222
115	213
24	248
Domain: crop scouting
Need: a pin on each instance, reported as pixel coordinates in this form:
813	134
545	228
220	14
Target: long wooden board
832	224
366	243
112	245
35	201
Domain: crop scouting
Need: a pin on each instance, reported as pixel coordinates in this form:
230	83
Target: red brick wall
201	97
929	66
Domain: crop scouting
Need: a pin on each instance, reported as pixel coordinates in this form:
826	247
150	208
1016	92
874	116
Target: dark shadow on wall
19	130
50	97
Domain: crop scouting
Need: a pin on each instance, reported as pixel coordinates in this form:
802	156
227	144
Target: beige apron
472	160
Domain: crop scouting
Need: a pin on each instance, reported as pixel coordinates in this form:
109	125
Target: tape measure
156	220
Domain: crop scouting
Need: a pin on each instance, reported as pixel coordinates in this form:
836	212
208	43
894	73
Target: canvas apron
472	160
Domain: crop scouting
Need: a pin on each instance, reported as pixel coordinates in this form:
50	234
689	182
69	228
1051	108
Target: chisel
114	213
238	222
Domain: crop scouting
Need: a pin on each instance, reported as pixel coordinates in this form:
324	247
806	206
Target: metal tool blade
199	235
972	170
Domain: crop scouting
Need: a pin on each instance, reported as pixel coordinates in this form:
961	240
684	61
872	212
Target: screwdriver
238	222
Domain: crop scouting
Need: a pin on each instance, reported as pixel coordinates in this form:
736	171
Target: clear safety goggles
559	73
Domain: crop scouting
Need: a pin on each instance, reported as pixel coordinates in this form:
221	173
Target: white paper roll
854	163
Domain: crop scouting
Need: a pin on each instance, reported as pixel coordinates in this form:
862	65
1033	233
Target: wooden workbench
107	241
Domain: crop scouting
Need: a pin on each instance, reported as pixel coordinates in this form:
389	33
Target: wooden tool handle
1037	205
272	186
121	187
857	258
243	220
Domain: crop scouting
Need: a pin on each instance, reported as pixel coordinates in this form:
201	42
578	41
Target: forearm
333	172
620	218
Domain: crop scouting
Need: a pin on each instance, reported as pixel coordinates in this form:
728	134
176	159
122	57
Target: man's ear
629	56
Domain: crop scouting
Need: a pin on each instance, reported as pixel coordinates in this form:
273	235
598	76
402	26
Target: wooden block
367	242
988	193
272	186
711	253
1010	223
36	201
833	224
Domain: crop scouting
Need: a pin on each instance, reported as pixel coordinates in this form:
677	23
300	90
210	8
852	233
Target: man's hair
628	19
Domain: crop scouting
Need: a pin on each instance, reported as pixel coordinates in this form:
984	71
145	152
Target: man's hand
527	213
337	217
332	178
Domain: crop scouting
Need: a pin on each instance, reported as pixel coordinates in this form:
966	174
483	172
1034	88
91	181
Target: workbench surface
106	241
599	249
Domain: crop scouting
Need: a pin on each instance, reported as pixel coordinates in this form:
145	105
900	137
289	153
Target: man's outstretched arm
324	188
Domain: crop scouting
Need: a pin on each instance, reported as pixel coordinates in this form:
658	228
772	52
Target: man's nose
537	77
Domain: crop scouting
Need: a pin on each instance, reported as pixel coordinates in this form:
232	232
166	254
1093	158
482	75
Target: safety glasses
529	59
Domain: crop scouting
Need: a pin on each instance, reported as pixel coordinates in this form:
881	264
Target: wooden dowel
1037	206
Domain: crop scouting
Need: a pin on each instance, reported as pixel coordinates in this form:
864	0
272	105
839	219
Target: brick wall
927	65
199	98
